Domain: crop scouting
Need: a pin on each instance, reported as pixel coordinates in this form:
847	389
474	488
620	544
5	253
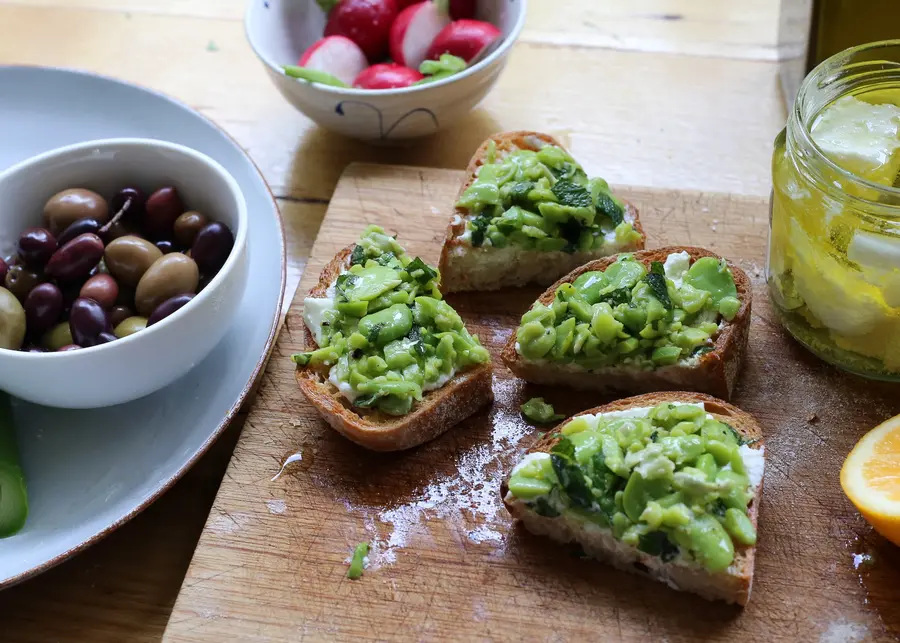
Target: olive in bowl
81	235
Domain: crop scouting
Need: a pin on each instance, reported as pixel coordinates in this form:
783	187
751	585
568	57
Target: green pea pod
313	76
13	494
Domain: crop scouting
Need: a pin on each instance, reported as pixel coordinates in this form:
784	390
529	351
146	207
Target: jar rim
813	81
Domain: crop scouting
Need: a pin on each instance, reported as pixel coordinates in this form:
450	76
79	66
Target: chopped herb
657	283
358	255
367	401
386	259
737	436
617	296
421	271
344	282
543	508
373	333
657	268
703	350
564	447
571	194
572	480
519	192
570	230
608	206
719	508
479	225
654	436
416	335
657	543
358	561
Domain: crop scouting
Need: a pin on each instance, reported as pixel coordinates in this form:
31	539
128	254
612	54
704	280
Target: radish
387	76
335	55
413	31
365	22
462	9
463	38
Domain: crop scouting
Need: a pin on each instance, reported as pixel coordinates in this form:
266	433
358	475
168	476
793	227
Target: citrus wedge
871	478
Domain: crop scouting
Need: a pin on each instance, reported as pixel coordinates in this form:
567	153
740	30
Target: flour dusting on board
468	501
844	631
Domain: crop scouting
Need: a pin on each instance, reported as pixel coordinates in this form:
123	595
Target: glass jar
833	265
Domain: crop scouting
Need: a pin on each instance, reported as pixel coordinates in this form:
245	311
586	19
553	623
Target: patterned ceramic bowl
281	30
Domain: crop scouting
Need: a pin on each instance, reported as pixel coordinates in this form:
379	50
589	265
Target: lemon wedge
871	478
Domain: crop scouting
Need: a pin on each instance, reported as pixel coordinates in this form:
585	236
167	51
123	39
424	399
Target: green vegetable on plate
537	410
13	494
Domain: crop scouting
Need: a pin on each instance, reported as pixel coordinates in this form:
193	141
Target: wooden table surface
659	93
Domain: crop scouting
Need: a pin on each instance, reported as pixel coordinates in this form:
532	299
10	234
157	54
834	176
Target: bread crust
438	410
715	372
734	585
458	258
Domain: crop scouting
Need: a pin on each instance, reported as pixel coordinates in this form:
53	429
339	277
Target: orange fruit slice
871	478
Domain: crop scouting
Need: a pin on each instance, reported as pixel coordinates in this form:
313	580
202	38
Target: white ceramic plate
90	471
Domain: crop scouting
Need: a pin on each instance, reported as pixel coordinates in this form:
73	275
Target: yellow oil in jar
834	256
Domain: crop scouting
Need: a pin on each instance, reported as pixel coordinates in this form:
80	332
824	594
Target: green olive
130	326
12	321
57	337
128	258
170	275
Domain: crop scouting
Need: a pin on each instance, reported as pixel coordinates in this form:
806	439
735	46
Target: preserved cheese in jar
833	265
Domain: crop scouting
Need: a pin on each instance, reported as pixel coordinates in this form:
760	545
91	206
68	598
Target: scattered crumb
276	506
812	418
844	631
704	209
713	228
212	46
860	560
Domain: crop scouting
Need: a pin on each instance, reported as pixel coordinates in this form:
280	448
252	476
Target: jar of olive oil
833	265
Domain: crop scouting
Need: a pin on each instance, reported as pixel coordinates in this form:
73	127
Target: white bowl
140	364
281	30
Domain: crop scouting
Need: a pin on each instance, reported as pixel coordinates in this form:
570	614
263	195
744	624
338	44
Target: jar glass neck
855	71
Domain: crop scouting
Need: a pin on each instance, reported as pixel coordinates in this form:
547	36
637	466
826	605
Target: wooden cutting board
447	563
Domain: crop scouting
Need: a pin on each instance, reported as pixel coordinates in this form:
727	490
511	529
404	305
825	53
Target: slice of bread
733	585
465	267
715	372
438	410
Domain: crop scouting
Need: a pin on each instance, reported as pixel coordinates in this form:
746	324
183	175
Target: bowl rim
501	51
240	237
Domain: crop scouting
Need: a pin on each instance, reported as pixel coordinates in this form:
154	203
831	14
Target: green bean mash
537	410
670	480
384	331
629	315
544	201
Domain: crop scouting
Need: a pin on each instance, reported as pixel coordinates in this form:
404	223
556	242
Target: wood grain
447	563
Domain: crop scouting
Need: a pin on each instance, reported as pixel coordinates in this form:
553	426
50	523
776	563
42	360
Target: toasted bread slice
733	585
438	410
465	267
715	372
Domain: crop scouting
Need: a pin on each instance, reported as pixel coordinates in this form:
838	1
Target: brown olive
57	337
87	320
187	226
68	206
170	275
135	199
76	259
106	338
128	258
12	321
118	314
165	246
68	347
20	280
161	210
4	268
78	228
130	326
101	288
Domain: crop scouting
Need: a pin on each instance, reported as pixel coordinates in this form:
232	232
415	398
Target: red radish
462	9
365	22
335	55
413	31
387	76
403	4
463	38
